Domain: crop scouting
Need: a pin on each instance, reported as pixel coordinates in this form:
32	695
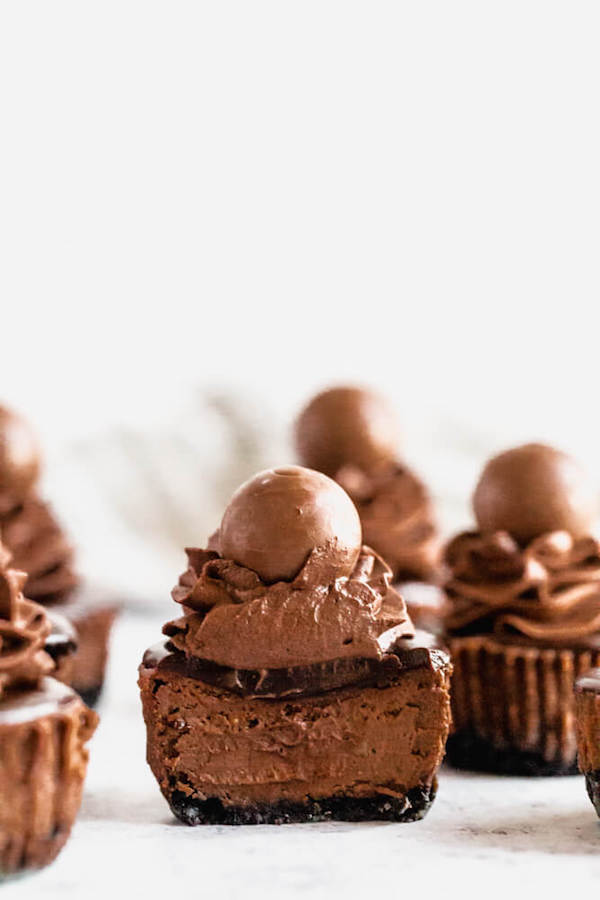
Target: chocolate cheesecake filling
280	759
317	738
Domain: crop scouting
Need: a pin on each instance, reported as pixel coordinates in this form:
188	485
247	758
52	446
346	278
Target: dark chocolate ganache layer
407	653
62	641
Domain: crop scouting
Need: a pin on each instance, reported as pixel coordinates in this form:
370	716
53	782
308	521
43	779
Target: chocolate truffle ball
346	425
531	490
277	518
19	457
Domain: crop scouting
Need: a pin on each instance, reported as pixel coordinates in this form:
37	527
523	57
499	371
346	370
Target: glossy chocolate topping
533	490
62	635
346	425
41	699
548	591
24	630
237	620
61	644
589	682
280	517
19	458
423	650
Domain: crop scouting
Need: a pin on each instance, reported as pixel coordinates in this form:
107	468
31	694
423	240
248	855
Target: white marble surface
482	835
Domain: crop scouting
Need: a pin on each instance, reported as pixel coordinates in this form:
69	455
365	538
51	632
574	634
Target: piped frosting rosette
236	620
548	591
24	629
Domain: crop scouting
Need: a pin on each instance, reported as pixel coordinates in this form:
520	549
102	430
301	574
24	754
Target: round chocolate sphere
346	425
534	489
277	518
19	457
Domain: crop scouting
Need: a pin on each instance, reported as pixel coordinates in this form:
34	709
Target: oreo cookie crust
380	807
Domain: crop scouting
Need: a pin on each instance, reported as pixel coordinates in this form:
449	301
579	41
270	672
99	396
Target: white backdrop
272	196
276	195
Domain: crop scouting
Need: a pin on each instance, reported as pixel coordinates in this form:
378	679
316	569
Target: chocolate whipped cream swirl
235	620
39	547
397	517
24	628
548	590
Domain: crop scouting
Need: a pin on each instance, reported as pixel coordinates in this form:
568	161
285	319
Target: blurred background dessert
524	614
39	548
44	729
352	434
587	720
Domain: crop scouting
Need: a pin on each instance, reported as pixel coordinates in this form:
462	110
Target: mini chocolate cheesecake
524	615
44	727
587	717
39	547
351	434
294	687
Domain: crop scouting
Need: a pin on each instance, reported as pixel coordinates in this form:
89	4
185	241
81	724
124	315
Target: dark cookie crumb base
380	807
467	750
90	696
592	783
